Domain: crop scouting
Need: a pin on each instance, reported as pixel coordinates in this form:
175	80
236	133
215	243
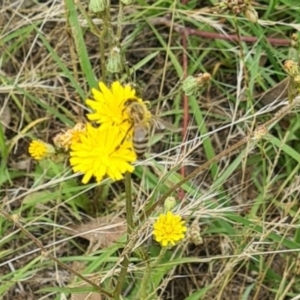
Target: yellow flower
110	105
102	151
65	139
169	229
39	150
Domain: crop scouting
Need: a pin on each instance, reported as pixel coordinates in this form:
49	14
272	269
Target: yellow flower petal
101	152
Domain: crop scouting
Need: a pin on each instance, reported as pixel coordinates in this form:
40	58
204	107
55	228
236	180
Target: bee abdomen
140	140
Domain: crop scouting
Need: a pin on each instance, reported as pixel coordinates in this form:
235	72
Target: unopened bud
297	79
251	14
291	68
295	37
169	204
40	150
260	132
114	63
294	40
192	84
97	6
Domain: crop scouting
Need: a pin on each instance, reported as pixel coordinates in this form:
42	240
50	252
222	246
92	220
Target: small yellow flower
102	151
110	105
40	150
169	229
65	139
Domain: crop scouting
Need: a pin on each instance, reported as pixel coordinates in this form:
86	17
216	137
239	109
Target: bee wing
162	125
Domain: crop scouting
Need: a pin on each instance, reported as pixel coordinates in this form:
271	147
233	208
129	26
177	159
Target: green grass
244	205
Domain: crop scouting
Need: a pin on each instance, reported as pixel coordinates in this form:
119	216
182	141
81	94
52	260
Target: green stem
145	281
102	52
143	255
129	209
142	294
119	24
129	217
118	39
94	29
159	257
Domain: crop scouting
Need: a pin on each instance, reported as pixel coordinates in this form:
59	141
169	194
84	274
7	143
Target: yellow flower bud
40	150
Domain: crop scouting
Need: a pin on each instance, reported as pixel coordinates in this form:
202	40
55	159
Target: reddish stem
231	37
215	35
185	98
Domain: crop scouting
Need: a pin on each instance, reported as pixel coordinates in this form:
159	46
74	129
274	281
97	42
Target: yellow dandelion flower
65	139
102	151
110	105
40	150
169	229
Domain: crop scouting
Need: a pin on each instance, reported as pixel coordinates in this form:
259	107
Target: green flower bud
114	63
192	84
169	204
97	6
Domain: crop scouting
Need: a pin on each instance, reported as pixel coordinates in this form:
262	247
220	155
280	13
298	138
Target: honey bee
142	123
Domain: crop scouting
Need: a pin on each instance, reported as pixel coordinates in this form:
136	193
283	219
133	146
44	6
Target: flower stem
129	210
129	217
144	292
